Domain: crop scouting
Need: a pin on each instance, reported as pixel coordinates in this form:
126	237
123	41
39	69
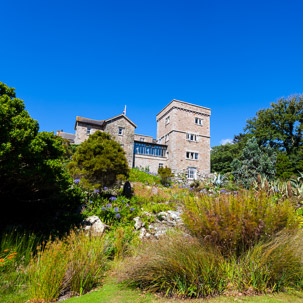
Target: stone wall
173	132
144	138
126	140
143	161
81	131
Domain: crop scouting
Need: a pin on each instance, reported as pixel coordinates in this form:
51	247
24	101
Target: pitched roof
121	116
89	121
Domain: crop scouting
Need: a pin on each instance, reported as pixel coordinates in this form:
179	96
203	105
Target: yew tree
99	161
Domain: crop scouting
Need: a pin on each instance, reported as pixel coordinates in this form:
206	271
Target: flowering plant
113	211
6	259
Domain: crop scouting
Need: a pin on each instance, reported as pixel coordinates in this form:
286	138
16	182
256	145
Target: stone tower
185	129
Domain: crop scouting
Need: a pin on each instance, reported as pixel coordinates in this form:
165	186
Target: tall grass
235	222
175	265
77	264
13	274
181	265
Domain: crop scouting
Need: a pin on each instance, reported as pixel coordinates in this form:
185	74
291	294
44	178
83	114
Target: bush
76	263
99	161
165	175
235	222
113	211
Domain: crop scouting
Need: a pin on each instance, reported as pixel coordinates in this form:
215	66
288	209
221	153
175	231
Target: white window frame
120	129
88	131
192	137
198	121
160	165
192	173
189	155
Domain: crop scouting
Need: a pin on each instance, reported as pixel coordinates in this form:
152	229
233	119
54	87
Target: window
192	173
160	165
142	139
144	148
191	137
88	130
167	119
199	121
166	138
192	156
120	131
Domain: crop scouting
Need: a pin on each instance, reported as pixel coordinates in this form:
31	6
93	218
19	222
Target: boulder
94	225
138	223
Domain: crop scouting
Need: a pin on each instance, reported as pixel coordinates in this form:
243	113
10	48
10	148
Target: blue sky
90	58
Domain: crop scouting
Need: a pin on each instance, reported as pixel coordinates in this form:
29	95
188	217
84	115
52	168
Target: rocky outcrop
160	224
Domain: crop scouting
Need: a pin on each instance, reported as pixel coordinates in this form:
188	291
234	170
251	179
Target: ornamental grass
235	222
74	264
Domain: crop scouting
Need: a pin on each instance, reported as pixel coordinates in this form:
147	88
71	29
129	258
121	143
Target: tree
280	126
222	157
34	188
99	161
252	162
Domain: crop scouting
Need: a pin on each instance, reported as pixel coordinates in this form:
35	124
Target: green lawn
112	292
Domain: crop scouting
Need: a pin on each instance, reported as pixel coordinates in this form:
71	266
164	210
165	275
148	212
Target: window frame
122	131
198	121
191	137
189	155
192	173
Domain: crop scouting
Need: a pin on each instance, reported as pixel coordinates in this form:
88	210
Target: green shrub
99	161
175	265
165	175
113	211
235	222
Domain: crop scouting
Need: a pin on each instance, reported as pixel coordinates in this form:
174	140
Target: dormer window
120	131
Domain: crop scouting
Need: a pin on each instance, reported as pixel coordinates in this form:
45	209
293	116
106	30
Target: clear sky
90	58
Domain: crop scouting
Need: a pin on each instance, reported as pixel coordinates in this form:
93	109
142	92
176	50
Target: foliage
235	222
222	157
76	263
175	265
13	275
33	184
113	211
137	175
254	162
99	161
165	175
279	126
183	266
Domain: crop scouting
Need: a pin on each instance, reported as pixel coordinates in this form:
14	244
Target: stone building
183	139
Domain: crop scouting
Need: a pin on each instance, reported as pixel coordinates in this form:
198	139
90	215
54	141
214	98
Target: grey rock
94	225
138	223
